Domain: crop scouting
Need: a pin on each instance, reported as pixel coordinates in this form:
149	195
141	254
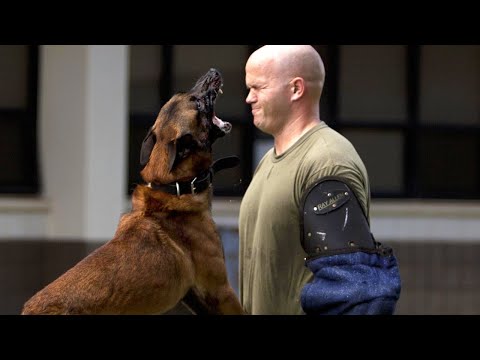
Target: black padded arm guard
352	273
332	220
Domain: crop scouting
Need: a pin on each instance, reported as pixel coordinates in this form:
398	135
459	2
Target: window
149	89
412	112
18	112
448	122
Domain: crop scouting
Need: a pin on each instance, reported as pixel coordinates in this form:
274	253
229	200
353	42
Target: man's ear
298	88
147	147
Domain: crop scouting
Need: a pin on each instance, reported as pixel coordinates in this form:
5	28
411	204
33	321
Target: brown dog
168	246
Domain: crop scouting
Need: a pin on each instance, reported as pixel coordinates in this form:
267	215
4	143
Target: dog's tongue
222	125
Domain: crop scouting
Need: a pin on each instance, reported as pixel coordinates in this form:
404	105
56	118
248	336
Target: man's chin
259	125
262	128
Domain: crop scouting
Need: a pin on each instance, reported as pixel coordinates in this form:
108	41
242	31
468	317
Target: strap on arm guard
353	274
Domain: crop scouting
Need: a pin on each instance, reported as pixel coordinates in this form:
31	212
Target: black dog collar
199	183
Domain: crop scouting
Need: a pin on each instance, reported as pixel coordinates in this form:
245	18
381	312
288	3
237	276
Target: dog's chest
192	229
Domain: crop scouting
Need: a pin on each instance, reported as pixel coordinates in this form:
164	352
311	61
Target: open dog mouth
224	126
206	91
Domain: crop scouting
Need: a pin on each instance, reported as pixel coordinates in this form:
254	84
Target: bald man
309	165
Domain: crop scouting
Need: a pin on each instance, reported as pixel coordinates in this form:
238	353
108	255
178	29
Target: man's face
268	96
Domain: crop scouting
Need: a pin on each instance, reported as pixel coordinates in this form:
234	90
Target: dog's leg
221	302
228	303
194	303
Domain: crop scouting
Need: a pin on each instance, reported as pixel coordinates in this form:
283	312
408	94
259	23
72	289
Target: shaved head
289	61
284	85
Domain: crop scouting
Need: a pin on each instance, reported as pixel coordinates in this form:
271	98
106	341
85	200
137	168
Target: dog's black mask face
186	125
205	93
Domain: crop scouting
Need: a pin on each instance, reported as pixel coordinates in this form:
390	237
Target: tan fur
166	246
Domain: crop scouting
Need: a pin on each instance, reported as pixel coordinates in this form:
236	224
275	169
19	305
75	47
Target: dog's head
179	145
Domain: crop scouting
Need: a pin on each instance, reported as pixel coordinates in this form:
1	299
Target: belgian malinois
168	247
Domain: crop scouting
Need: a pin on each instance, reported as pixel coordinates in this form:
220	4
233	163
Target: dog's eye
197	101
200	106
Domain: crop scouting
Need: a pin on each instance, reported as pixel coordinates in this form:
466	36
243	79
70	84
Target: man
295	208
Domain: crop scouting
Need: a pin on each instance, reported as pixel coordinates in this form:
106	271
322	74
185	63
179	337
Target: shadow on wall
437	277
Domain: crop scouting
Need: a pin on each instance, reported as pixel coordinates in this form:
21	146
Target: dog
167	249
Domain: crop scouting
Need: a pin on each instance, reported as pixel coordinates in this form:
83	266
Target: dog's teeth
220	91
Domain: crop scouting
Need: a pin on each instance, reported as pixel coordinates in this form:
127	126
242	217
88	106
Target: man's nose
250	98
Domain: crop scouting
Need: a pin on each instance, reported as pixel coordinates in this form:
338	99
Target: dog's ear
179	149
172	154
147	147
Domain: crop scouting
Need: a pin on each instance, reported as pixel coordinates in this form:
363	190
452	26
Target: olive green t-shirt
272	269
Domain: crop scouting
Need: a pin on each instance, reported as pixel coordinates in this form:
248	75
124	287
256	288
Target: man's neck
292	132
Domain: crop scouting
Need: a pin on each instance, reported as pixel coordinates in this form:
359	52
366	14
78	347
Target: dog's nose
214	72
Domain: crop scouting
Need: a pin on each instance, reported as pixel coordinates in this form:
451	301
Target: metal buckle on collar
192	186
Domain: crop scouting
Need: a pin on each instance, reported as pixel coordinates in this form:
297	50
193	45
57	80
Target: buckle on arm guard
333	221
